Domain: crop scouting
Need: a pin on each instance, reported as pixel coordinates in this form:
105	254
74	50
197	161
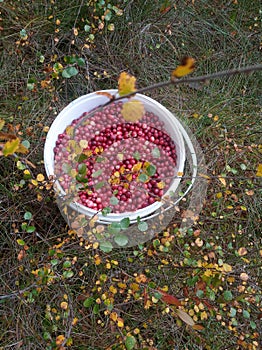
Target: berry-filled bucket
107	167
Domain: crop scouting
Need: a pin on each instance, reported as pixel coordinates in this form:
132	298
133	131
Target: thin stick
201	78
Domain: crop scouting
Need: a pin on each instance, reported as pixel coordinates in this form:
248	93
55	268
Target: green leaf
228	296
54	262
96	309
67	264
151	170
100	159
114	200
142	226
69	72
27	215
68	274
106	211
26	144
80	61
20	242
99	185
20	165
246	314
130	342
253	325
81	158
30	229
23	34
199	293
108	16
125	223
82	169
70	59
87	28
121	240
233	312
143	177
137	155
97	173
89	302
114	228
66	168
155	152
106	247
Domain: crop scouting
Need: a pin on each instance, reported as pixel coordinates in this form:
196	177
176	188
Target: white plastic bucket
87	103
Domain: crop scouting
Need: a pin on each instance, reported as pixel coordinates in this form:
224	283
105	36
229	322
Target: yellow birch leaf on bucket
133	110
259	170
10	147
186	67
126	84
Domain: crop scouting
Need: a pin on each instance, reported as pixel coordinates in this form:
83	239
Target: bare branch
201	78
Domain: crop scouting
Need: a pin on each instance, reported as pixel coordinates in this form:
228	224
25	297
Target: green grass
148	44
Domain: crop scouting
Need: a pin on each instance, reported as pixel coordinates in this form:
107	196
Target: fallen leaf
10	147
59	340
198	327
185	317
186	67
222	180
2	123
169	299
259	170
126	84
6	136
133	110
242	251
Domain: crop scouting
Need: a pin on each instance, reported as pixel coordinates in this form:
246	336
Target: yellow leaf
203	315
69	342
137	167
161	185
22	149
59	340
113	289
133	110
113	316
222	180
242	251
227	267
259	170
2	123
64	305
10	147
187	66
120	323
185	317
40	177
126	84
83	143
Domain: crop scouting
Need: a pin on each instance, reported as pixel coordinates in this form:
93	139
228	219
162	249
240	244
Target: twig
15	294
201	78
